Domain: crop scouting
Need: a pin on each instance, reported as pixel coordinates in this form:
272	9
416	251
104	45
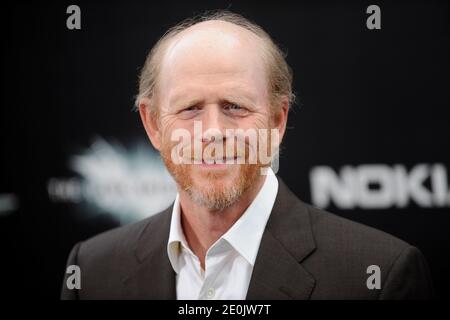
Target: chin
214	180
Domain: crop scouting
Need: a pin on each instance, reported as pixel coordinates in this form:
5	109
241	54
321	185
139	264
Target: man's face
212	74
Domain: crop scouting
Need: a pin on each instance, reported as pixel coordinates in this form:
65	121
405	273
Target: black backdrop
367	99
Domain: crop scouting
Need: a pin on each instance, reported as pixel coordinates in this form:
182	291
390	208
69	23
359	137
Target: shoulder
119	244
107	259
332	234
348	253
338	233
345	253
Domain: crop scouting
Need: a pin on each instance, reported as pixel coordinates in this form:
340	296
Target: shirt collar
245	234
176	236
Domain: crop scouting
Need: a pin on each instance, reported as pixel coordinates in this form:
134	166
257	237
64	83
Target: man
235	231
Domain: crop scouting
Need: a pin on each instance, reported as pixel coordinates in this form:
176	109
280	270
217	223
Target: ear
150	122
280	118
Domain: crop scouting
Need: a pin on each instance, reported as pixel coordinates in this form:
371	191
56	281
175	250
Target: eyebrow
178	100
240	99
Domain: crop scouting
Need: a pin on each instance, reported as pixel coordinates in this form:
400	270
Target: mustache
241	149
213	151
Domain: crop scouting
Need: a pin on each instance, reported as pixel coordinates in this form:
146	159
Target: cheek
170	124
258	121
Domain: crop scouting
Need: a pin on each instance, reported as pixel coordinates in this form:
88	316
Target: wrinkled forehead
213	48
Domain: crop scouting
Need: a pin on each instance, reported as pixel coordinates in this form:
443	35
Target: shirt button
210	293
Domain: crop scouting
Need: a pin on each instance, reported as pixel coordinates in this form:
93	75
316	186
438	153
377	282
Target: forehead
213	54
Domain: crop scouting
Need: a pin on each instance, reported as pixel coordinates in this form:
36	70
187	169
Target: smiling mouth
215	162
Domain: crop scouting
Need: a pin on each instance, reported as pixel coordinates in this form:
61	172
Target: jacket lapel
286	242
153	276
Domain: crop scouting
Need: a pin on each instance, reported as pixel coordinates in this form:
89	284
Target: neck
202	226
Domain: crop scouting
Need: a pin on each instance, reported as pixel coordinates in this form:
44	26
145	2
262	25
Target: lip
213	166
223	165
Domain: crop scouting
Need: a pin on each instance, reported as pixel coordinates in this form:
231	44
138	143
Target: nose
212	123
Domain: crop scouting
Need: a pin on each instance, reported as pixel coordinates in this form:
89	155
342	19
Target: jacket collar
153	276
286	242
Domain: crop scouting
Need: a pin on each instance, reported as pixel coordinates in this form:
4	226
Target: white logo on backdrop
129	183
379	186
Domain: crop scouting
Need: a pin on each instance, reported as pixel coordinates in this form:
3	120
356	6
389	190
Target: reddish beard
215	195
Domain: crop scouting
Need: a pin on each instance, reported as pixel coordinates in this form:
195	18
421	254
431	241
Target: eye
189	112
232	106
192	108
235	109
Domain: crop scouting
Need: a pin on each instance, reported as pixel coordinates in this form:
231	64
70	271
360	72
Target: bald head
216	39
208	55
212	46
222	42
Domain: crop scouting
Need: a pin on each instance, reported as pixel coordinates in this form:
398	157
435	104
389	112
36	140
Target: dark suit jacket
305	253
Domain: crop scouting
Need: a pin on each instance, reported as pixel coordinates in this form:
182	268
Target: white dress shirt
229	261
